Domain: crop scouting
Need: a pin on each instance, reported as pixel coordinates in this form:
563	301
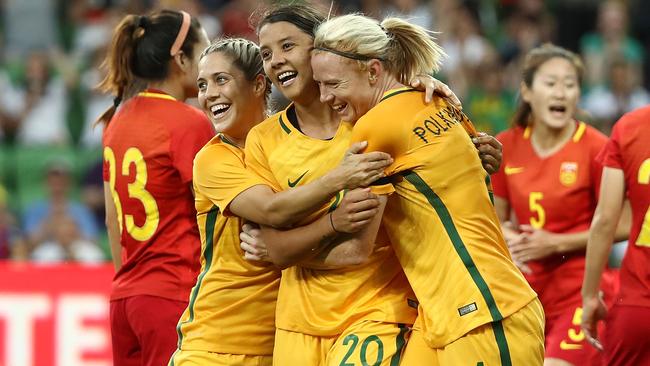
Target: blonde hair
405	49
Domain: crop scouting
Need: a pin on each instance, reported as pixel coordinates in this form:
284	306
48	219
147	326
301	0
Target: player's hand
252	244
430	86
593	311
358	169
532	244
357	210
490	151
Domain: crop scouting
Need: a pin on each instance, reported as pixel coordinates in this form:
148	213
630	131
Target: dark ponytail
140	51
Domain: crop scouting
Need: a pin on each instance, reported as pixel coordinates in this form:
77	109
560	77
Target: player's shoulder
634	120
217	151
275	124
589	135
513	134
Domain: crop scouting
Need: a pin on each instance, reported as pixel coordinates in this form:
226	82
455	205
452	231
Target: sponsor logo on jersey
568	173
510	170
295	182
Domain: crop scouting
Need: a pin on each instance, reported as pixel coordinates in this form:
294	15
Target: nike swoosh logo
512	170
293	184
569	346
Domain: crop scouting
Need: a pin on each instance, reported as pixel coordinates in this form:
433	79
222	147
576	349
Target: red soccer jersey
149	149
629	150
557	193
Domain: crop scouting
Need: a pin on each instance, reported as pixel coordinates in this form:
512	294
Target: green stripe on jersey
502	343
284	126
210	222
456	240
397	92
400	341
488	181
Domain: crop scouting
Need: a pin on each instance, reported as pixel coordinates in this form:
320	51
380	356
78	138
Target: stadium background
50	154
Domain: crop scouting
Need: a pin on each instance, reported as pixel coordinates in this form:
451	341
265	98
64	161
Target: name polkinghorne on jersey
438	123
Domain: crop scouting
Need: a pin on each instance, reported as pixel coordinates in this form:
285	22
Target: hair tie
182	34
383	29
142	21
116	101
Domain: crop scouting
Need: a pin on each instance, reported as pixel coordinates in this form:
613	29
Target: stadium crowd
51	199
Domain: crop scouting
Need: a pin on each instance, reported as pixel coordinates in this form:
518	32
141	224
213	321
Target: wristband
332	223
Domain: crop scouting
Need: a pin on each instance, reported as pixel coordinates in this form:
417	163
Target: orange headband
182	33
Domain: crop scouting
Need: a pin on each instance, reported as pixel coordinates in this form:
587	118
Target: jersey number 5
136	191
644	178
535	206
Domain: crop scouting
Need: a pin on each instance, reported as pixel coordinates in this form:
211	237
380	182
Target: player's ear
375	69
525	92
182	61
259	85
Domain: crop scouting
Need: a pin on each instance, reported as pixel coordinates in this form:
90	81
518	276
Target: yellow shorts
515	340
364	343
202	358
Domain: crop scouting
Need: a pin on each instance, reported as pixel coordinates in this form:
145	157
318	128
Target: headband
182	34
354	56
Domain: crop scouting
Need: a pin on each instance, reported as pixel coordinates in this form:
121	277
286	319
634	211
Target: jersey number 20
136	190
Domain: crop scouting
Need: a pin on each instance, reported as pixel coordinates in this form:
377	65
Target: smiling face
554	93
343	86
233	104
285	50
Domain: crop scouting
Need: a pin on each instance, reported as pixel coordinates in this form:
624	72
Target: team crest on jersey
568	173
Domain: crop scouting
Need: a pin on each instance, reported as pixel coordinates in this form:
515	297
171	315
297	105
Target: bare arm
601	235
343	237
282	209
112	226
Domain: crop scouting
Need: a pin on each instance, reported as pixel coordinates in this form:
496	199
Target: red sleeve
610	155
186	142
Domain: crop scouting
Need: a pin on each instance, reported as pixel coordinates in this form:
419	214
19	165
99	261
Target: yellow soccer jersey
233	301
440	219
325	302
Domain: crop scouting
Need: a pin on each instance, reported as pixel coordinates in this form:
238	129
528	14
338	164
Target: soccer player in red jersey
149	147
549	182
626	159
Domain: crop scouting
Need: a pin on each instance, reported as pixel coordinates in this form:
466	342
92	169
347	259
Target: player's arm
262	205
340	238
113	228
601	235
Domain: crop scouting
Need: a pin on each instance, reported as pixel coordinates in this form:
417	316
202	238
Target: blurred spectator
489	104
41	106
41	218
67	245
608	42
466	48
418	12
235	19
12	245
95	102
92	191
29	25
607	103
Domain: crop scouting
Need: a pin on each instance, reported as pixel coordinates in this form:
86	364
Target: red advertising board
54	315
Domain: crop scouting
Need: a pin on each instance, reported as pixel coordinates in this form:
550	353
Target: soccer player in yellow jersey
475	307
354	315
230	317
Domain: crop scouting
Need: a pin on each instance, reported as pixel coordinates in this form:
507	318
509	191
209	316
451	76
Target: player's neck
169	87
317	120
546	140
385	84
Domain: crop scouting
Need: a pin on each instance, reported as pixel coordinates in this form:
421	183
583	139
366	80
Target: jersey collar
153	93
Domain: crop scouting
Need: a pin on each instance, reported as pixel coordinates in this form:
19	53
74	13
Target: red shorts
143	330
566	341
627	337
